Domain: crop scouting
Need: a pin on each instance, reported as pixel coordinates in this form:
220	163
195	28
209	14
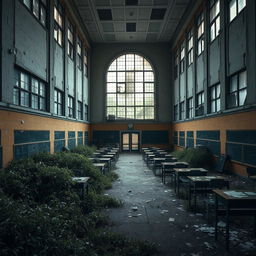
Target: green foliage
80	165
196	157
84	150
42	214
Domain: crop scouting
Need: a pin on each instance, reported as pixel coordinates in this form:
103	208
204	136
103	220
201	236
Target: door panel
130	141
126	142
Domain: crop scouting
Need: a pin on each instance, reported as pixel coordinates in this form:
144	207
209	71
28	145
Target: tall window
130	88
200	34
190	47
58	23
215	98
182	58
200	103
237	91
190	107
29	91
71	106
214	19
79	53
70	40
85	63
37	8
58	102
235	7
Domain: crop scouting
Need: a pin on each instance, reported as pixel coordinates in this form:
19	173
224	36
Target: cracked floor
152	211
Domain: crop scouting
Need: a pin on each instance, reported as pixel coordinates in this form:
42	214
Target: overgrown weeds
43	214
196	157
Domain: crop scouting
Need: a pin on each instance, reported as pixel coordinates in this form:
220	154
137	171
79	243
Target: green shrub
27	180
84	150
196	157
79	165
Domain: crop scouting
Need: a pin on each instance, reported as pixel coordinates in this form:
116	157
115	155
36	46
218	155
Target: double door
130	141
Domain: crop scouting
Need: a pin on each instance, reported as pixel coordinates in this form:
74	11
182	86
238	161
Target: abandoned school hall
144	81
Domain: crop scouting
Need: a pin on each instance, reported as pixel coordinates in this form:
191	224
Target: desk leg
216	217
255	223
227	227
162	174
175	183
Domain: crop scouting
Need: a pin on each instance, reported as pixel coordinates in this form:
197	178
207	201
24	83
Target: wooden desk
101	166
201	185
167	167
183	172
236	203
157	162
82	183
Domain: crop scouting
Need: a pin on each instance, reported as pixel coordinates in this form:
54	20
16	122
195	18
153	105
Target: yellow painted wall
10	121
237	121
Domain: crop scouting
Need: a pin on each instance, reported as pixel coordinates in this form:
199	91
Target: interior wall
158	54
233	134
25	133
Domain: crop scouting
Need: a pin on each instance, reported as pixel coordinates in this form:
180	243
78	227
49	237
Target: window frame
190	53
71	106
200	102
85	62
70	46
182	110
182	57
41	93
79	53
58	19
80	110
86	114
59	102
237	10
215	20
190	107
42	8
176	112
200	36
214	100
237	91
135	99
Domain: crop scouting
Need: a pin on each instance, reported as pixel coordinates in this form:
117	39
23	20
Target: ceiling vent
105	14
157	14
130	27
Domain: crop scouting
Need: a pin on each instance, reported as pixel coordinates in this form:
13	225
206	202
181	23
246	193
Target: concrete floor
152	211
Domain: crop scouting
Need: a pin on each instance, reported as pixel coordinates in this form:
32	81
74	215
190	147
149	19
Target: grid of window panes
29	91
38	9
237	92
215	98
235	7
70	47
58	23
130	88
80	110
182	58
182	110
71	107
200	34
190	107
176	113
79	53
58	102
85	63
86	112
200	103
214	19
190	47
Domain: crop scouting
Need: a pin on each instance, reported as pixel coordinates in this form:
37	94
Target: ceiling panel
106	20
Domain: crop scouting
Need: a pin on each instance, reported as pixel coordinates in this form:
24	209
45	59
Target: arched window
130	89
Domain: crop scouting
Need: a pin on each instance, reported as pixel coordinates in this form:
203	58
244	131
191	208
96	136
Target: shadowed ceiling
131	20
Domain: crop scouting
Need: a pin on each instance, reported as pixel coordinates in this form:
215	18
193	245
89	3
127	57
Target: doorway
130	141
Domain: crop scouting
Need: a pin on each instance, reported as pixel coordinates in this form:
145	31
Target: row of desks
227	202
